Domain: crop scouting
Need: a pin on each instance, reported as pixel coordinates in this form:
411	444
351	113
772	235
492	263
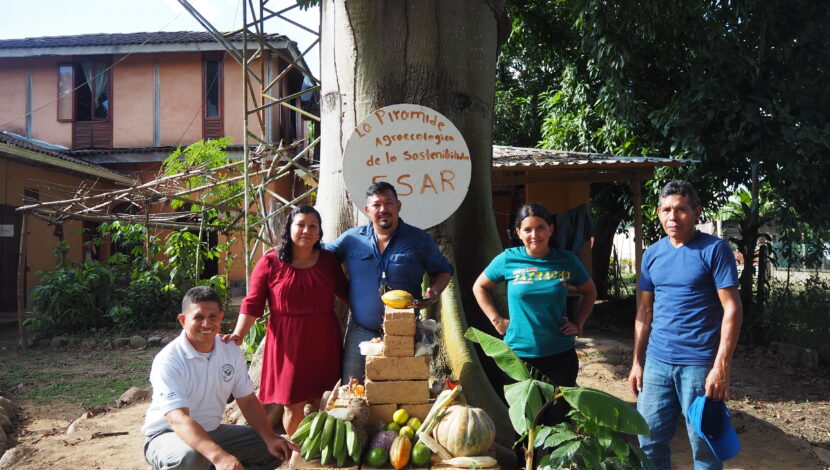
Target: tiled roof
505	157
125	39
44	148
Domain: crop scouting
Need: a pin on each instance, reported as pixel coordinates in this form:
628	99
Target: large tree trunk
441	55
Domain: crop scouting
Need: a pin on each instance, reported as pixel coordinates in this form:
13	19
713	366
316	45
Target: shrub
799	315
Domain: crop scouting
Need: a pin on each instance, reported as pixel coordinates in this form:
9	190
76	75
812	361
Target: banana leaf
605	409
505	358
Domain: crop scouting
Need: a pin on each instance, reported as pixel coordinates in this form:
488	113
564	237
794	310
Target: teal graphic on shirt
537	292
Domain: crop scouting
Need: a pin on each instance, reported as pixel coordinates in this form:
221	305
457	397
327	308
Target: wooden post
147	232
21	284
638	230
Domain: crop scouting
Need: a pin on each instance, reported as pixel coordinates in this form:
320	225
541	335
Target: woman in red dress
303	344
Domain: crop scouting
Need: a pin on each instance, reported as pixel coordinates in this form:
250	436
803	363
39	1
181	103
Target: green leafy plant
592	439
255	335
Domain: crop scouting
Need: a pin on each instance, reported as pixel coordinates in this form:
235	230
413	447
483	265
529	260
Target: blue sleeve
724	268
496	269
434	261
579	275
337	246
645	283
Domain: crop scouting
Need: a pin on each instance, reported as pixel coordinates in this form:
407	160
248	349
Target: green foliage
72	298
206	155
593	437
797	314
128	291
255	335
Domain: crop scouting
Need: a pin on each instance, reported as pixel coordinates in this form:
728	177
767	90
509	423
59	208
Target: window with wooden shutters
85	100
212	102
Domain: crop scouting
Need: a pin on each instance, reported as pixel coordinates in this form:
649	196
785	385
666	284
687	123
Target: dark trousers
560	369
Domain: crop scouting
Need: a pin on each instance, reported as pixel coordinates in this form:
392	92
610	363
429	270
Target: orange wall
15	177
181	98
12	95
132	101
45	125
232	89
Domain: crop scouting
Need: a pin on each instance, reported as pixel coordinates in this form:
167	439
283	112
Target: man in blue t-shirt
689	316
386	254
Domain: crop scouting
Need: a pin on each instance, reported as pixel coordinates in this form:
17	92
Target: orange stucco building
104	110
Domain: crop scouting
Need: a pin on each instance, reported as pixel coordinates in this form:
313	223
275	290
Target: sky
36	18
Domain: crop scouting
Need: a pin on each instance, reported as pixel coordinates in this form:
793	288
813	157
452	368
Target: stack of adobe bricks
396	378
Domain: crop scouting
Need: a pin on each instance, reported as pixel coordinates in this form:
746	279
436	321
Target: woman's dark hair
530	210
284	250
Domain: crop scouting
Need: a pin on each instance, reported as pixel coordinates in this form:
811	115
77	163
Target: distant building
104	110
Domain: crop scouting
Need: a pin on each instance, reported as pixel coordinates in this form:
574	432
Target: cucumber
340	452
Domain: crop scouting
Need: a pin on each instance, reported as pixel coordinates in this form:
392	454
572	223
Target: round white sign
417	150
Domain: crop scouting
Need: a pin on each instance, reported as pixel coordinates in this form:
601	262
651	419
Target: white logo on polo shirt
227	372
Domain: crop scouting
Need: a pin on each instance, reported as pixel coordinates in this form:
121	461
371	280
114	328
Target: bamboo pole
637	202
246	154
21	285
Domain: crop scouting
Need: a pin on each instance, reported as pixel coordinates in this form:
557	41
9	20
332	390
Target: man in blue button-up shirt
386	254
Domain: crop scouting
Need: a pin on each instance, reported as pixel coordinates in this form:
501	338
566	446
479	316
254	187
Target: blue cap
710	420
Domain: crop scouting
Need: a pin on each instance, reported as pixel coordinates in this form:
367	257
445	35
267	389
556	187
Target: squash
400	452
465	431
397	299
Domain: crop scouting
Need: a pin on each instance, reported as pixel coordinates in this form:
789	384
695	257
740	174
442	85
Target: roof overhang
38	158
518	165
133	49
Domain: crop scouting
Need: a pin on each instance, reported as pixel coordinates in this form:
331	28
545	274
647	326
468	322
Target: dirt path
782	417
792	437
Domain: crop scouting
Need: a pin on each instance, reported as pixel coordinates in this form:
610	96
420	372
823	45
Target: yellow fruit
407	431
397	298
414	423
400	416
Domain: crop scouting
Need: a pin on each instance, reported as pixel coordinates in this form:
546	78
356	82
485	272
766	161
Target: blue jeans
354	363
668	391
167	451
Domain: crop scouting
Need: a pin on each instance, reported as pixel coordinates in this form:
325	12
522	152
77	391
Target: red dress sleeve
258	286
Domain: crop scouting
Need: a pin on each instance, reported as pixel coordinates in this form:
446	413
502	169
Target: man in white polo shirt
192	378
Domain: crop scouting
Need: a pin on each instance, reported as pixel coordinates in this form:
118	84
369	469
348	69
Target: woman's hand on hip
569	328
501	324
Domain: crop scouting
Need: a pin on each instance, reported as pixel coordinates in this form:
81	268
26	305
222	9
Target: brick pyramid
396	378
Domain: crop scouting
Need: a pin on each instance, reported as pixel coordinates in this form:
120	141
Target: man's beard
385	223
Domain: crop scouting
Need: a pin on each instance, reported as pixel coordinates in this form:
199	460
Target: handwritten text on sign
416	149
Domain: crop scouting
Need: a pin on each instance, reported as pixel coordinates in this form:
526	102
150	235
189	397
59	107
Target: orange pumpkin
465	431
399	453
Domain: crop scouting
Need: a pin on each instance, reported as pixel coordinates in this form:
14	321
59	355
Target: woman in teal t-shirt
537	275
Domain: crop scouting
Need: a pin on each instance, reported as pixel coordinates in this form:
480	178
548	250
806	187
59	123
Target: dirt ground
782	415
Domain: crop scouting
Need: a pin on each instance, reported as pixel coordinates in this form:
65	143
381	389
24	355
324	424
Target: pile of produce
394	444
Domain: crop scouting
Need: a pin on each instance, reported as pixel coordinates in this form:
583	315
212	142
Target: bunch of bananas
324	436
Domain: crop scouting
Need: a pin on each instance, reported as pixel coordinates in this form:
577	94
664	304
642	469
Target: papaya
397	299
400	452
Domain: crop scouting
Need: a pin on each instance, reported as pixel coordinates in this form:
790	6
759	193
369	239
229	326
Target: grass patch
74	376
89	393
